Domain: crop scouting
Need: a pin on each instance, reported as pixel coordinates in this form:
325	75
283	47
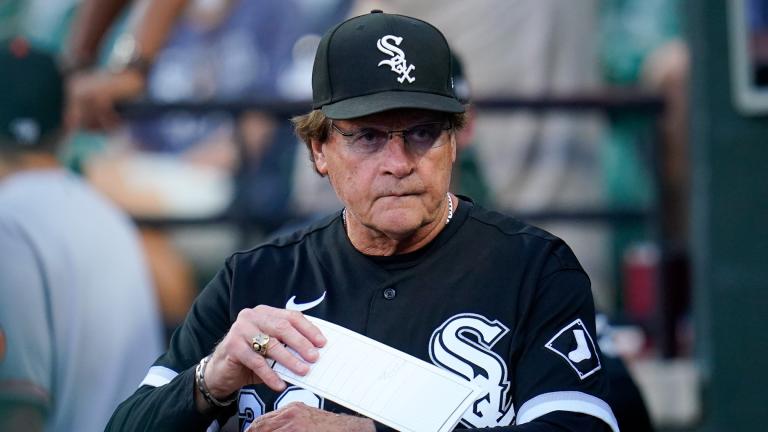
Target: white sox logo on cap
397	63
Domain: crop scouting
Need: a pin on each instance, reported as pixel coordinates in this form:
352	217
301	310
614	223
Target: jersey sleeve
165	398
559	366
25	321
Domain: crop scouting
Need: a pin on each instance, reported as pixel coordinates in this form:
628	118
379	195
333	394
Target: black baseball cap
378	62
31	94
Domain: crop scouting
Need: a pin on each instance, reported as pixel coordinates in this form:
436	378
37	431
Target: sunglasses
418	139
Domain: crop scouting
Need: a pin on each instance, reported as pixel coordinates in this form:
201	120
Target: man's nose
397	160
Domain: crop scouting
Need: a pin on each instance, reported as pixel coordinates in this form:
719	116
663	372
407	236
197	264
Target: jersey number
250	405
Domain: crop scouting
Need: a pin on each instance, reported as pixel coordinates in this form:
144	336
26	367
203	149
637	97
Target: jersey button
390	293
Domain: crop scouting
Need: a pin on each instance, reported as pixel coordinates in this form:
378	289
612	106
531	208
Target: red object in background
19	47
641	263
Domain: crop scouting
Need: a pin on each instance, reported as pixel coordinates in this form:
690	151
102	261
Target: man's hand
300	418
92	97
235	364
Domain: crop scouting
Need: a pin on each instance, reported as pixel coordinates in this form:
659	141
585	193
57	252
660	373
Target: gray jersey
76	303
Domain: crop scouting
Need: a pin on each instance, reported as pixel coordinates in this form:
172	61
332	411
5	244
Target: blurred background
634	129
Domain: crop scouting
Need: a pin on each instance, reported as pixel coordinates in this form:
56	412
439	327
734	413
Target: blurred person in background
641	45
184	165
624	395
468	178
78	317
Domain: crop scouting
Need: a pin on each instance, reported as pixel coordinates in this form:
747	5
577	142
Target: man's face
395	188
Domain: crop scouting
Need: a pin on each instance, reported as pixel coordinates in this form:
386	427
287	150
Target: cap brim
378	102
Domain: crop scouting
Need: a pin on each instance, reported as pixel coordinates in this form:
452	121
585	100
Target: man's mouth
400	194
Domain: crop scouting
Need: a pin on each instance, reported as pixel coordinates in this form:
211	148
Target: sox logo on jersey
462	345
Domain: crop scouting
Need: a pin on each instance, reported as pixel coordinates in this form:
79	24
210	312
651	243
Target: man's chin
399	224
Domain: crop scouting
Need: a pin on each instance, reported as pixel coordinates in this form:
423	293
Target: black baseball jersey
491	299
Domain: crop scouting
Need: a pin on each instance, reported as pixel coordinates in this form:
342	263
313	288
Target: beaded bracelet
200	379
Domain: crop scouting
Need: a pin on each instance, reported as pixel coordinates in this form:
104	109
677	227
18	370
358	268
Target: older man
406	262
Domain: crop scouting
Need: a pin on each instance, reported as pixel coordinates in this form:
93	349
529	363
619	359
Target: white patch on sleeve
574	344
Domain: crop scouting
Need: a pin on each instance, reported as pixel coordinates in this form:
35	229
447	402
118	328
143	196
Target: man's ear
321	164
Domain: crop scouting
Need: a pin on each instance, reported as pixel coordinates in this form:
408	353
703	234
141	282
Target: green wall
729	232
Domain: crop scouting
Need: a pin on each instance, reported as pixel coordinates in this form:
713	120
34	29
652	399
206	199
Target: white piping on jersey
214	427
572	401
158	376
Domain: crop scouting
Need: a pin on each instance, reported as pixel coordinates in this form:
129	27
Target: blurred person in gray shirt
79	323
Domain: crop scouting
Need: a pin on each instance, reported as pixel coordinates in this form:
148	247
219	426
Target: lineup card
384	384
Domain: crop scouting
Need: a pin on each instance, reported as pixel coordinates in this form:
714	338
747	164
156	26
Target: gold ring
259	344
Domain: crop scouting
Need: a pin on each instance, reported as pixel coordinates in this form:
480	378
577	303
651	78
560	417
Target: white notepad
384	384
